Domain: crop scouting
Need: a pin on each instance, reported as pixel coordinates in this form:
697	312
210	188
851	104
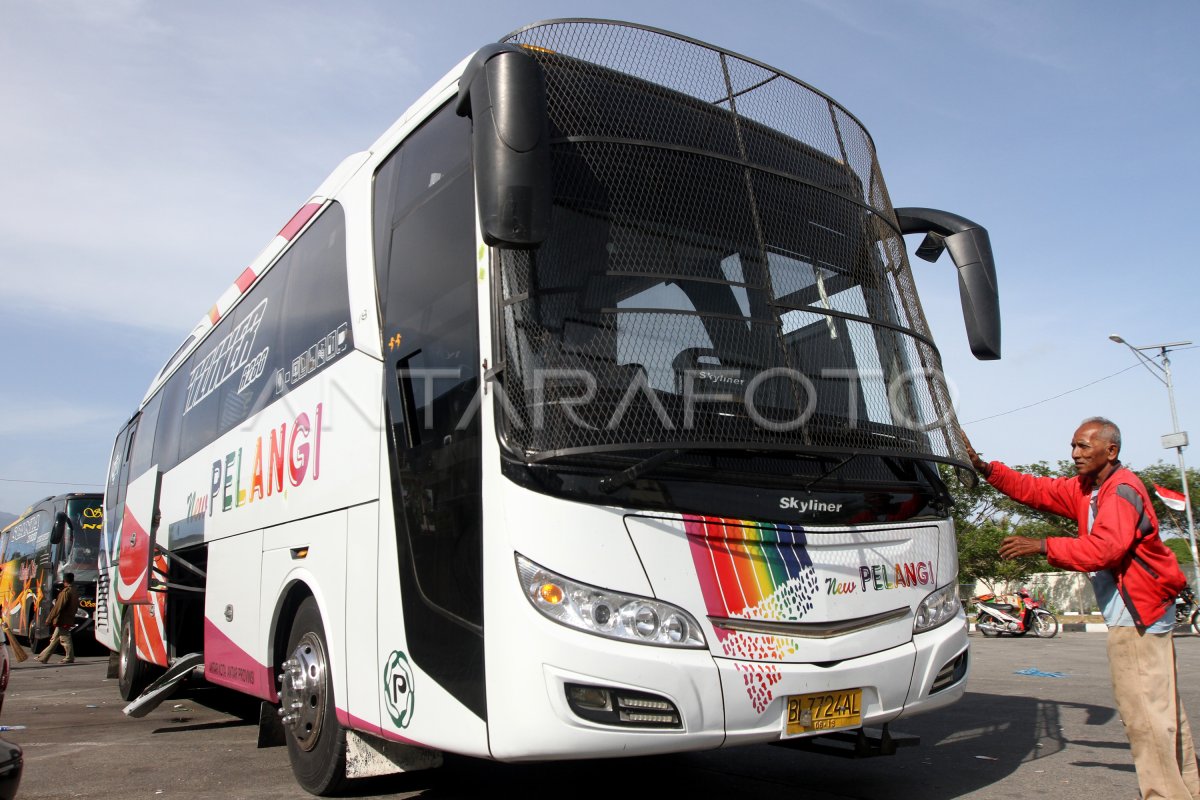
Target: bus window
87	518
170	416
316	330
141	459
438	150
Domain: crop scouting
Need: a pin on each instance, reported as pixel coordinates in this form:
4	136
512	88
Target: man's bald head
1106	429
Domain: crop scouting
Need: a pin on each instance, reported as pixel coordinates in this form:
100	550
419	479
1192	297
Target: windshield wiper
626	476
808	486
638	469
630	474
936	484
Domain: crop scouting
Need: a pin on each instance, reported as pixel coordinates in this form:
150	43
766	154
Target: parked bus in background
590	412
54	536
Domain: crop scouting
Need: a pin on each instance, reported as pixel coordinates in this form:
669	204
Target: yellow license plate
824	711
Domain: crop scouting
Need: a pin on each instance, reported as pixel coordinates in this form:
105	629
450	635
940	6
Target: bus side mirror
971	250
503	91
60	526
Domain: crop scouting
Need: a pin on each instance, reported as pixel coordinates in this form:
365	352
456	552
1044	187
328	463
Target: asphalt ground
1011	736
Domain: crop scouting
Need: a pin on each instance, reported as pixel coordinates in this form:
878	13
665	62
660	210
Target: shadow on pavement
1118	767
183	727
217	698
957	756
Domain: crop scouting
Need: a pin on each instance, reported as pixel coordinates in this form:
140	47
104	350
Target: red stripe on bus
227	664
245	279
298	221
148	636
214	316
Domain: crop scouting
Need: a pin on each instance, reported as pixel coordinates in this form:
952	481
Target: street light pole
1177	438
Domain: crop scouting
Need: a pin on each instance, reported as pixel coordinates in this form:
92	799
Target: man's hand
981	466
1018	546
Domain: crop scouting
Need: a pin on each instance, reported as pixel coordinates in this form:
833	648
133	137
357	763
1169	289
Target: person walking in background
1135	577
62	620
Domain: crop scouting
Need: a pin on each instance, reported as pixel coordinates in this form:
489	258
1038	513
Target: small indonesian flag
1172	500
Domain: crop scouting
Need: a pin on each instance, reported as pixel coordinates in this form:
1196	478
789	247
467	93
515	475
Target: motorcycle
993	618
1187	615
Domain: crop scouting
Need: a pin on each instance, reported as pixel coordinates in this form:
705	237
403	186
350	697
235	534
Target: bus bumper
720	702
532	719
894	683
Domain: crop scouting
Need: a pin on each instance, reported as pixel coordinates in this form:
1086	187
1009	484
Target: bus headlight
937	609
605	613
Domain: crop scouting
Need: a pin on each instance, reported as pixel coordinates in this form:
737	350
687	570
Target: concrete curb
1071	627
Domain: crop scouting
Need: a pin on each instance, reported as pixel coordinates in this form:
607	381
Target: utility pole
1177	439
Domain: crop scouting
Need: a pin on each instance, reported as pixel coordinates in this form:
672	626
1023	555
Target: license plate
823	711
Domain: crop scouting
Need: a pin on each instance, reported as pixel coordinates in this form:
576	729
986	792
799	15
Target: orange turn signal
551	593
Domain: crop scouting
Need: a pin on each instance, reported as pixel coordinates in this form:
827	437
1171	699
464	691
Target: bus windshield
714	278
87	520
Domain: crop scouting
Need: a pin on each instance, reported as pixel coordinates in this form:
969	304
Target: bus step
161	689
861	743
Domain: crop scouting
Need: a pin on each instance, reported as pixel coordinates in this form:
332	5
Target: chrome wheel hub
302	688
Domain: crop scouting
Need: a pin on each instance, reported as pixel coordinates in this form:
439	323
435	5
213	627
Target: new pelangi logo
398	692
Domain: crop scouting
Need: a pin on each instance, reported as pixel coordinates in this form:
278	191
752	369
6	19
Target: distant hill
6	518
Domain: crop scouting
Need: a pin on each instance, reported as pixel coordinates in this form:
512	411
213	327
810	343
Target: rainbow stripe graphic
752	570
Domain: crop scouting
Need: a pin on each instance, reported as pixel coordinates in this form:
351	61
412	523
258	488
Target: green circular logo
398	690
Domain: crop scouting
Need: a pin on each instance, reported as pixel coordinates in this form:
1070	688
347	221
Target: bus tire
316	742
133	674
35	643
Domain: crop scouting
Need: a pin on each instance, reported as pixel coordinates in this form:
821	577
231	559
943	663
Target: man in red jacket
1136	578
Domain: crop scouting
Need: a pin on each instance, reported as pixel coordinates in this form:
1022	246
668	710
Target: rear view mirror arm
971	250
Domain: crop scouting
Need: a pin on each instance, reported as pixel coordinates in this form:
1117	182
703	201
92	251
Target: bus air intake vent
951	673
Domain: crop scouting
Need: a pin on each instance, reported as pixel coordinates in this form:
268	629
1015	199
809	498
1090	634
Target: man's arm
1055	495
56	609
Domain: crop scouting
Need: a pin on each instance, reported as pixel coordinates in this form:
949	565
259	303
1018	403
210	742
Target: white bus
590	412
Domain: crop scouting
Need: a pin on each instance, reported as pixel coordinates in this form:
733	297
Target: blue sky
151	150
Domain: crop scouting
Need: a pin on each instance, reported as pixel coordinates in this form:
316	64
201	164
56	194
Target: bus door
60	547
139	517
108	614
43	571
139	527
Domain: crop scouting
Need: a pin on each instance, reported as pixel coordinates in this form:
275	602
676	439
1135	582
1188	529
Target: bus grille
100	614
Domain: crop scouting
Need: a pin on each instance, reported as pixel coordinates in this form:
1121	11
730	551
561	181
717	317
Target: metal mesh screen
724	267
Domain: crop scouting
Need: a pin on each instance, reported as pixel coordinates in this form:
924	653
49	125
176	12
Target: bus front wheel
316	742
133	674
35	642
